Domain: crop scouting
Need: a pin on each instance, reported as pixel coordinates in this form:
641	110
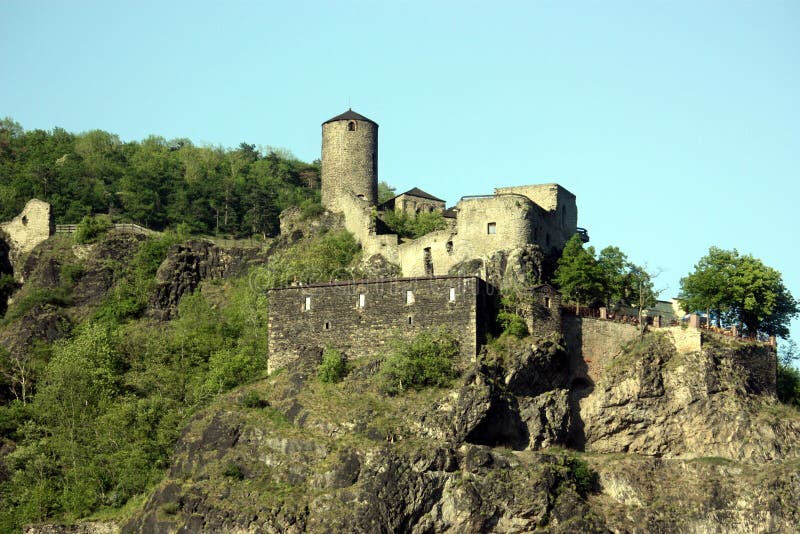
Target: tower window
351	126
409	297
362	300
491	228
327	325
452	294
307	305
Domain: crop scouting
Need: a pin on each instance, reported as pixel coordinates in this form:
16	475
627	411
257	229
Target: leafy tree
578	274
385	192
739	290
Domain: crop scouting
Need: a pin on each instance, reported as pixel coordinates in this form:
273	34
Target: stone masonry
360	318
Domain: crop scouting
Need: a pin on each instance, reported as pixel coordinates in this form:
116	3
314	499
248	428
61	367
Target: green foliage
252	399
232	470
385	192
578	275
311	208
156	182
584	478
788	384
92	227
512	324
428	360
406	226
333	367
740	290
609	278
322	258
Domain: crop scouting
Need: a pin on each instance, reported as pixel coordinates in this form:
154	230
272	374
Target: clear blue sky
676	124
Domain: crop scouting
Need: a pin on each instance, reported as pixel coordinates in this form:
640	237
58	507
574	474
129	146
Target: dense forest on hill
156	182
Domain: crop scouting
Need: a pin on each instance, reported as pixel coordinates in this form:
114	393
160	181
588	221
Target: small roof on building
350	115
417	192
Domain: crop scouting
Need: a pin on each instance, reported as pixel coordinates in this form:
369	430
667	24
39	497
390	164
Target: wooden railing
125	227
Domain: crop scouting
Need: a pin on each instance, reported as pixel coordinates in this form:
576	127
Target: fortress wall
593	343
559	204
336	318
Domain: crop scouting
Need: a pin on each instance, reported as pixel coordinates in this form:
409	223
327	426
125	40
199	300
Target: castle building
444	274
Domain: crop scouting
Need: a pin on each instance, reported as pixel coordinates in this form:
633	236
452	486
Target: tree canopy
156	182
610	278
739	289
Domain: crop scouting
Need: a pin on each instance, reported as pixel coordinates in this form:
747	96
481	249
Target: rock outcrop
475	458
190	263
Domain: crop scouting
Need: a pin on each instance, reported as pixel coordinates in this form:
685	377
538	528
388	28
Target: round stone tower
349	159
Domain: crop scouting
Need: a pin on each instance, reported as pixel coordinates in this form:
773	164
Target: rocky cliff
289	454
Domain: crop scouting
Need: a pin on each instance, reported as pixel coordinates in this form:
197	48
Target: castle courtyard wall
361	318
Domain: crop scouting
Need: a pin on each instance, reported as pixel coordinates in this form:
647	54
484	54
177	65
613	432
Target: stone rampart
360	318
593	343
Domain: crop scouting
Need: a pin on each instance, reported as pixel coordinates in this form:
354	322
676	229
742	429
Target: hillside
152	412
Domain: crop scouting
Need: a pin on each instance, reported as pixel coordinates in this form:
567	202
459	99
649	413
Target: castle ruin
447	276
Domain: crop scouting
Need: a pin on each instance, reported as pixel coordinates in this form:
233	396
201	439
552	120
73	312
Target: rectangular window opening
491	228
307	304
409	297
362	300
452	294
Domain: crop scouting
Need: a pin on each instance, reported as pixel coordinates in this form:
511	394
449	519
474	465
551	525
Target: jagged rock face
506	269
666	404
434	473
190	263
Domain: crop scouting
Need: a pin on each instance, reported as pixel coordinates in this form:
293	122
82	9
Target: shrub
512	324
92	227
584	478
333	367
406	226
310	209
252	399
233	471
427	360
788	384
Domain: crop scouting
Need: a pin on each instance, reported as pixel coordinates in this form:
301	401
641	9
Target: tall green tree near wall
741	290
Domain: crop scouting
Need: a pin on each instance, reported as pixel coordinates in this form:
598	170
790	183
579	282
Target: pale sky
676	123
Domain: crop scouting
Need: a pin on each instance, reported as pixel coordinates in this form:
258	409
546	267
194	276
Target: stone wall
360	318
593	343
559	203
25	231
349	161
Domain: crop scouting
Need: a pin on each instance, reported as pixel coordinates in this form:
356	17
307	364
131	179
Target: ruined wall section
359	219
349	161
593	343
360	318
25	231
484	226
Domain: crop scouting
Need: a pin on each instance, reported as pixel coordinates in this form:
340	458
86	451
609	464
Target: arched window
351	126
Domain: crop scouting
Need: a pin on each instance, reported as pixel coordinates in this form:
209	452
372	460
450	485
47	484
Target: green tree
740	290
578	274
385	192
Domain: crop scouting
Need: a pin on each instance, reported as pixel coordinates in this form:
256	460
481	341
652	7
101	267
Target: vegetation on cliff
156	182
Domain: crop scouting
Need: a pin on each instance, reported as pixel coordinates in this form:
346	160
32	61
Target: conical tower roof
350	115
